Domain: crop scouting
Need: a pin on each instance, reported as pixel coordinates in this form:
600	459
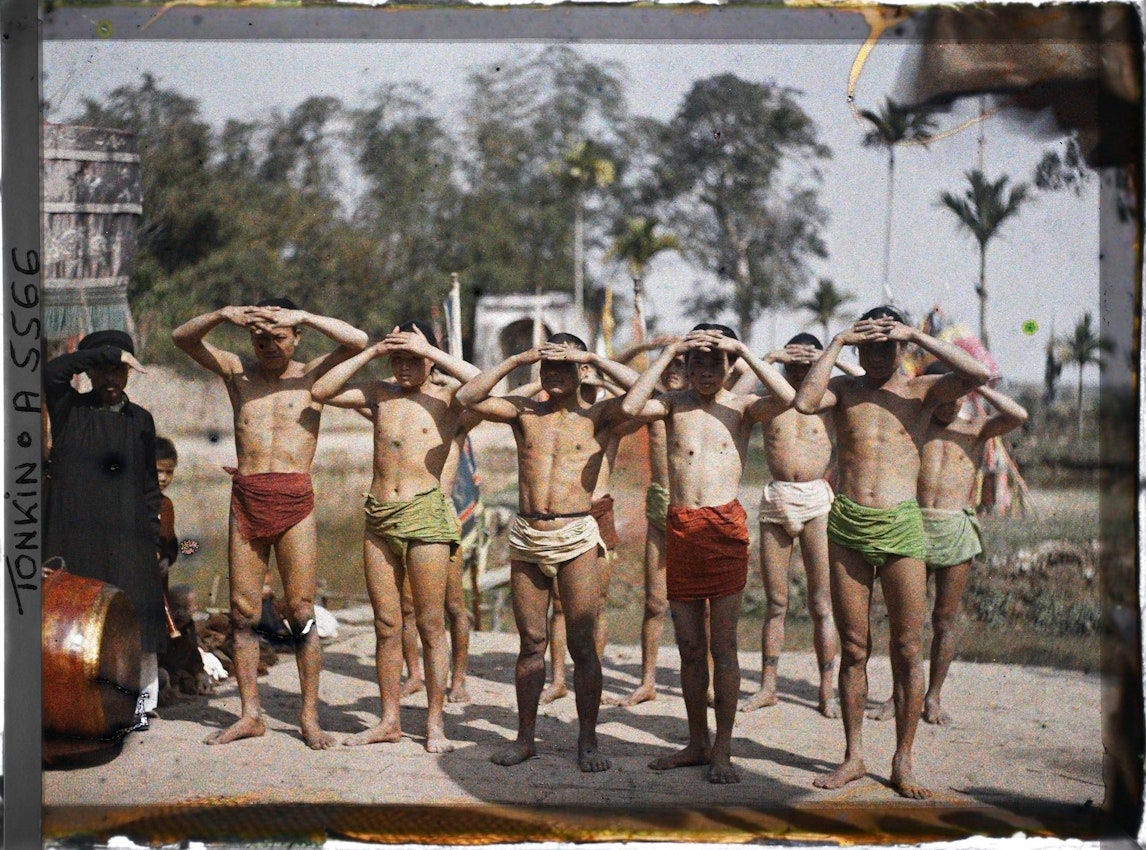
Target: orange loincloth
706	551
268	503
602	511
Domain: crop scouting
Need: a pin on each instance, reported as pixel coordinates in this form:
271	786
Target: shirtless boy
272	501
951	454
560	443
411	528
656	511
706	534
875	526
795	504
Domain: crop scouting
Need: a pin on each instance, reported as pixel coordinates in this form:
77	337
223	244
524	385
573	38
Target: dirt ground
1025	743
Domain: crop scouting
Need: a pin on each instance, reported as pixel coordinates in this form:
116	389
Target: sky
1043	265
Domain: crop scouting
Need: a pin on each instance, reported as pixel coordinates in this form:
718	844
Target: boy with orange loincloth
706	532
272	500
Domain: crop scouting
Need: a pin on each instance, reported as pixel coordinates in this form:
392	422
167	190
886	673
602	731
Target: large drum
90	652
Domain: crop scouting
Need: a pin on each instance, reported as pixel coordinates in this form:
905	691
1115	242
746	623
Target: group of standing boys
898	439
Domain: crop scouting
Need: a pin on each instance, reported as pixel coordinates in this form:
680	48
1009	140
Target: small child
166	459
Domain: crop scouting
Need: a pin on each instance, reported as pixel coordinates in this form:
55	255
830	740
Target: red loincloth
706	551
268	503
602	511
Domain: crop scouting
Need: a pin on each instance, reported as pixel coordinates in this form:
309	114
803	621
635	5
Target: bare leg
814	549
604	575
296	554
248	565
581	591
384	576
710	695
775	555
851	581
653	626
411	655
691	626
460	625
950	583
557	689
904	582
427	566
530	591
724	613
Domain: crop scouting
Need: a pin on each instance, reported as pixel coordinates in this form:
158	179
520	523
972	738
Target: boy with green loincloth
875	526
952	451
411	528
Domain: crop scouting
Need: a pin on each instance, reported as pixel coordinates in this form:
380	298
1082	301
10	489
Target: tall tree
728	150
1084	347
299	146
825	303
982	209
893	125
578	172
636	246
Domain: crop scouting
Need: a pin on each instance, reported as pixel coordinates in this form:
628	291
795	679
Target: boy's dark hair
285	303
427	331
724	329
563	338
886	311
806	339
165	450
938	368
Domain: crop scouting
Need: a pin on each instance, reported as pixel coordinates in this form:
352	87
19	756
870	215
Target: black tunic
103	498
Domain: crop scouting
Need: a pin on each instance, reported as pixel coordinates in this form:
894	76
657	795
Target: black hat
98	339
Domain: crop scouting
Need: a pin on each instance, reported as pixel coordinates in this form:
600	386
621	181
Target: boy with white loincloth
411	528
706	533
554	539
952	452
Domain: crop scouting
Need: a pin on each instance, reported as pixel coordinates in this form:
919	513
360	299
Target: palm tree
825	304
1084	347
891	126
984	207
637	243
581	169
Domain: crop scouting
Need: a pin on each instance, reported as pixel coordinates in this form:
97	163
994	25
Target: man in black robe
102	518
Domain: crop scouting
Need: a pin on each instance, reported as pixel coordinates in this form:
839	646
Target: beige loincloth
550	549
791	504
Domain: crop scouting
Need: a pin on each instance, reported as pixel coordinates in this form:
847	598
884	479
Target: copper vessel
91	654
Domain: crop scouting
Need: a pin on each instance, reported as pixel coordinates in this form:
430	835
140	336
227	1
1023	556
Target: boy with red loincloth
706	533
272	501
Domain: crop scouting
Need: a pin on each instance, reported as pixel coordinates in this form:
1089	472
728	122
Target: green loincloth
426	518
952	536
877	533
657	505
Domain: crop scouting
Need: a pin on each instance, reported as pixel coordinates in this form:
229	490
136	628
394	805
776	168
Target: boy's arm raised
475	394
331	387
189	338
639	402
968	375
814	393
350	339
414	342
1011	414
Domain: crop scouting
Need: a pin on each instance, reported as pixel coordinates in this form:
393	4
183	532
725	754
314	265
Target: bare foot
553	692
689	756
458	693
411	687
721	771
934	714
244	727
316	739
383	733
850	770
437	742
515	753
829	707
645	693
883	711
904	781
763	698
590	760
